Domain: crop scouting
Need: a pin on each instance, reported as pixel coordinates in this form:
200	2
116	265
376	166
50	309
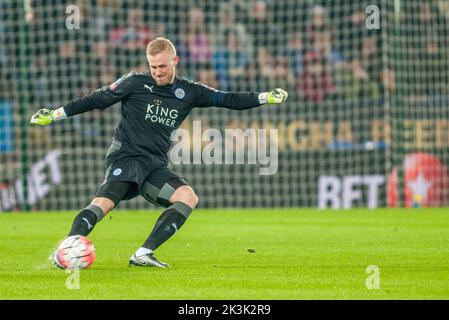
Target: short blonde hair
159	45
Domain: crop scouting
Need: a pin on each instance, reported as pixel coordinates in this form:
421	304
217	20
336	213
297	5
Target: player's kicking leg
180	200
107	197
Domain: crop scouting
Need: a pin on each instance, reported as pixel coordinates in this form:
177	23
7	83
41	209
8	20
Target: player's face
163	67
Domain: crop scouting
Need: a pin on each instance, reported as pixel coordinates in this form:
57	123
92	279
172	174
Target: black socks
86	220
168	223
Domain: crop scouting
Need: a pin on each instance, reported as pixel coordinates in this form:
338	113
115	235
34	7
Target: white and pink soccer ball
75	252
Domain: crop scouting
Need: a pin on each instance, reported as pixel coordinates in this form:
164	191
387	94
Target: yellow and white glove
277	95
45	117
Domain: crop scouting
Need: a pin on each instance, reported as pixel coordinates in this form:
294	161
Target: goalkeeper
153	105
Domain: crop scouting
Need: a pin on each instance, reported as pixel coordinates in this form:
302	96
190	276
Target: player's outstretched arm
45	117
99	99
209	97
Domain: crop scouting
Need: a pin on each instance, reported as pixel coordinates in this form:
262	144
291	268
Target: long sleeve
209	97
101	98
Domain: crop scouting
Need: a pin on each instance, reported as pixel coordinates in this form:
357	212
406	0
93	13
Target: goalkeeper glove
277	95
43	117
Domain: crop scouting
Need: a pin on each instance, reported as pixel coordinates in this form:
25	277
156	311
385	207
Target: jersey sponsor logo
117	172
180	93
149	88
158	113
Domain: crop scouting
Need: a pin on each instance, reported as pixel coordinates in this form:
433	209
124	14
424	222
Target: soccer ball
75	252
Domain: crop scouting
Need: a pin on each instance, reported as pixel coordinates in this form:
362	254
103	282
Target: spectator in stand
102	71
360	76
231	62
317	25
130	40
320	59
351	31
272	69
262	28
39	84
370	62
227	24
282	73
315	82
134	33
99	19
264	64
195	43
427	48
68	68
294	52
319	35
208	76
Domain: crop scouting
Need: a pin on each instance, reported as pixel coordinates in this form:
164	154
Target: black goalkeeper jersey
151	112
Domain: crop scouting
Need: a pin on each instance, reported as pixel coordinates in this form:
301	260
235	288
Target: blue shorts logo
117	172
180	93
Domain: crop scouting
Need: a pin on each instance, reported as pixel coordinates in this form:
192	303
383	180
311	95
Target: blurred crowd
317	50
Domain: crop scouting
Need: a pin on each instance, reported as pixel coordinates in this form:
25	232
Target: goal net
366	123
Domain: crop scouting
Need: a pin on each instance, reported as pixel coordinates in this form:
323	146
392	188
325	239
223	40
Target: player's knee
185	194
105	204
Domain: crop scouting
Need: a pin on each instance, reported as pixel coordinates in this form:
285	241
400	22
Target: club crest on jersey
180	93
117	172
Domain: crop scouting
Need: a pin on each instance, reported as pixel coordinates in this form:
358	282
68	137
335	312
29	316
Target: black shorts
128	178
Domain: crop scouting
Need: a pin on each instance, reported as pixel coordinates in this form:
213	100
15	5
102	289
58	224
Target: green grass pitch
298	254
